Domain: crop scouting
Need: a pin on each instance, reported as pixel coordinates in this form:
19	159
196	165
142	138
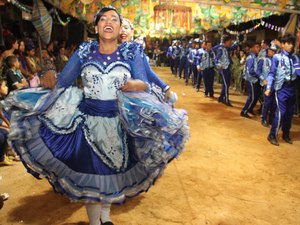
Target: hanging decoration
42	20
60	20
262	23
178	16
271	26
20	6
151	17
244	31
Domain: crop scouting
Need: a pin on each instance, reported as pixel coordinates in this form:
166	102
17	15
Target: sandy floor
228	175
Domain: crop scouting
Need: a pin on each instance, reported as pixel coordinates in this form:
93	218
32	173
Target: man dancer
282	78
222	62
263	68
207	67
169	55
183	65
176	57
192	58
199	59
251	78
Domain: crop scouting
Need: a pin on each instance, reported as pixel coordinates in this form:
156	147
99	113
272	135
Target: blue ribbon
96	107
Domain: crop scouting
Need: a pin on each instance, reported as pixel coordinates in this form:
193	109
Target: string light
60	20
20	6
262	23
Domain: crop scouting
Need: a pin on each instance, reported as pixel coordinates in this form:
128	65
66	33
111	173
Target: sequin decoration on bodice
102	75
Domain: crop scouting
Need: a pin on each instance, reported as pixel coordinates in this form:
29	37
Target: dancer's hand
267	92
134	85
168	94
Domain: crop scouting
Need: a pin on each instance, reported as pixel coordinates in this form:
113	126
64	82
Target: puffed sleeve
70	72
152	76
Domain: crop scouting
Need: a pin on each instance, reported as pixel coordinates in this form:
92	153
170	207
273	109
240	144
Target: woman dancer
107	141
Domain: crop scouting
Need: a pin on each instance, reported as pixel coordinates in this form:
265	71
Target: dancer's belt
95	107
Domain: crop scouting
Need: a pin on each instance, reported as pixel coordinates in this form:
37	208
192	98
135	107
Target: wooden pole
40	50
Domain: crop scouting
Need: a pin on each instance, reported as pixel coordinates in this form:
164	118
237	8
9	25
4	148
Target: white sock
105	212
93	211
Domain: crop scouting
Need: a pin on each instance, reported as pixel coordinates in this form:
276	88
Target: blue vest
207	60
224	60
247	75
285	70
265	69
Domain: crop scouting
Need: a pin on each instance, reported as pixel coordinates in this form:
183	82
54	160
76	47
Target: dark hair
9	42
288	38
29	46
183	40
267	42
10	60
226	37
105	9
251	44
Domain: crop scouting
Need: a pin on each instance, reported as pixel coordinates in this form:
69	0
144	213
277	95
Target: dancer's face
287	46
126	32
108	26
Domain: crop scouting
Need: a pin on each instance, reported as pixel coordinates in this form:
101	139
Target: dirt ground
228	175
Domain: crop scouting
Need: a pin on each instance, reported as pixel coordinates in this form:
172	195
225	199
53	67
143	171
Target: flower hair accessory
100	12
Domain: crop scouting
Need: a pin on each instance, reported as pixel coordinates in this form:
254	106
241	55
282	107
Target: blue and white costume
192	58
223	62
269	106
207	67
252	79
183	61
198	57
282	78
97	144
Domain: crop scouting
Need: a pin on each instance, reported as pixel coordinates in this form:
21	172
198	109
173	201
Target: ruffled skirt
91	155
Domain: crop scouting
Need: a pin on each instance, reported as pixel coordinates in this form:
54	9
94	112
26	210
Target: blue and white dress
97	144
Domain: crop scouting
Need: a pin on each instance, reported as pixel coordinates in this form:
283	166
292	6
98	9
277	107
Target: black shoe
287	139
273	140
252	113
244	114
198	89
264	123
107	223
228	103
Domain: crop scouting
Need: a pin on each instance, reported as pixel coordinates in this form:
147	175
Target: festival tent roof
162	17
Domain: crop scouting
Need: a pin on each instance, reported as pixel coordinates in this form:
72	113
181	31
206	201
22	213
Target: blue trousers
194	75
253	96
226	79
208	79
269	106
171	61
183	66
285	99
176	65
189	71
199	79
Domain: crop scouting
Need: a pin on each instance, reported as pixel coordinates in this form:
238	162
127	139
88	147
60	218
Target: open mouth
123	36
108	29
